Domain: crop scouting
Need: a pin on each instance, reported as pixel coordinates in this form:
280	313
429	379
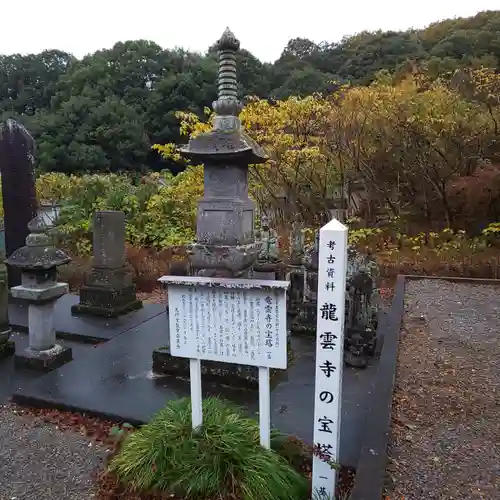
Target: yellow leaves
191	125
52	187
168	151
384	134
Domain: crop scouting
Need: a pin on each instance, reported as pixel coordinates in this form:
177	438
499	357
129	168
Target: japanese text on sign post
329	356
242	325
232	321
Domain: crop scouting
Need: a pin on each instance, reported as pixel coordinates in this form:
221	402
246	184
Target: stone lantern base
43	353
43	360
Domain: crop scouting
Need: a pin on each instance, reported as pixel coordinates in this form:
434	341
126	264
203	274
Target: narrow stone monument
7	347
305	322
268	264
108	288
225	244
38	261
295	274
362	308
17	154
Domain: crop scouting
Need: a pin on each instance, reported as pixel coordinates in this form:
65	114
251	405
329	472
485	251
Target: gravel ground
445	439
38	461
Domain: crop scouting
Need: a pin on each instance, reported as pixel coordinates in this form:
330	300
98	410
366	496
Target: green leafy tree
28	83
86	134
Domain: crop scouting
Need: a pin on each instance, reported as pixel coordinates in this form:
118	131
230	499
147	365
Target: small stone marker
17	153
233	321
305	321
38	261
108	289
268	264
329	356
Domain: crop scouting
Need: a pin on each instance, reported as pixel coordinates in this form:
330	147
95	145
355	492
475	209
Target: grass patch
223	460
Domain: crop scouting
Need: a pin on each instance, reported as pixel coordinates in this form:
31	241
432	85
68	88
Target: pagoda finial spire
227	103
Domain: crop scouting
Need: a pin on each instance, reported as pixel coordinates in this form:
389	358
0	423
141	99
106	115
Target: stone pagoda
225	243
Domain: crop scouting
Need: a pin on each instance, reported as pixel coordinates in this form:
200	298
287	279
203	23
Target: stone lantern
38	261
225	241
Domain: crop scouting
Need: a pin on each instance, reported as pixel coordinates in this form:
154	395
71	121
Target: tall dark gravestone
17	167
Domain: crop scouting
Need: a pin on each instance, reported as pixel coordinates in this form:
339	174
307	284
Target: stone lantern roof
39	253
227	141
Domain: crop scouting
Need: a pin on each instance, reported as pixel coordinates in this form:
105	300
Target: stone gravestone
108	288
17	153
362	306
268	264
305	321
295	273
231	312
38	261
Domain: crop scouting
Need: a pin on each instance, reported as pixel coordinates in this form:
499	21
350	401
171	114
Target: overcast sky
263	26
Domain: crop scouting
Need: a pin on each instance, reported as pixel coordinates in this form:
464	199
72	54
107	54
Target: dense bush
221	460
444	253
160	209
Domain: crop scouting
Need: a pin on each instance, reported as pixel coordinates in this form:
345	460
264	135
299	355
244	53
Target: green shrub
223	458
160	209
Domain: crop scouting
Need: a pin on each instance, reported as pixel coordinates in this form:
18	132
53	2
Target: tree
301	177
303	82
28	83
411	141
90	135
299	48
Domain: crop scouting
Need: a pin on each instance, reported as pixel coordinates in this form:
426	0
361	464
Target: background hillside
103	113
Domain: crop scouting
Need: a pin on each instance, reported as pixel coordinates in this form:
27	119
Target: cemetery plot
445	433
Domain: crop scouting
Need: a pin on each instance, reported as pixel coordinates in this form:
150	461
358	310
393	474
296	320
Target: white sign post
231	321
329	356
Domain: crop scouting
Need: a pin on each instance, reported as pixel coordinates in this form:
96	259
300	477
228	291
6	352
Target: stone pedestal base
43	360
106	302
263	270
7	349
263	275
305	321
232	375
224	373
360	345
223	260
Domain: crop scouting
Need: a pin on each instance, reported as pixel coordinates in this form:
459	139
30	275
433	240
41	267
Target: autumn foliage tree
407	143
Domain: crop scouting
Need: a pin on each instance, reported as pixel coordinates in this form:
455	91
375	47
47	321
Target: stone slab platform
115	381
84	328
12	378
